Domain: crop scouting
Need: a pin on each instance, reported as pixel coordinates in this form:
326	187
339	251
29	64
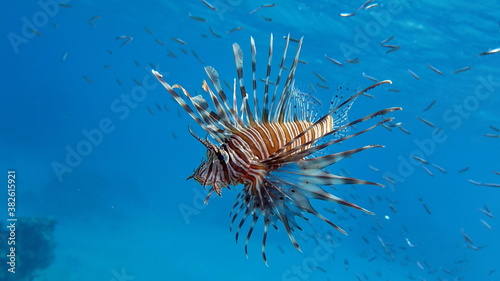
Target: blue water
118	208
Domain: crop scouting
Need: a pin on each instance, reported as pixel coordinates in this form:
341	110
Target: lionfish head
211	170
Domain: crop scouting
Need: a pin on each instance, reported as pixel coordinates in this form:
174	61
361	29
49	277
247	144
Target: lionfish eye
220	157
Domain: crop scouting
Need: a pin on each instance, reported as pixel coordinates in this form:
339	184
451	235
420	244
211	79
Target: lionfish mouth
272	143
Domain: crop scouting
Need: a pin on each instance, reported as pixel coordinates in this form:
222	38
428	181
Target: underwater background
101	151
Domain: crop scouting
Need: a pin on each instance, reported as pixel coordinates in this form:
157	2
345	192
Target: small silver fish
428	171
485	224
159	42
473	247
466	237
212	7
386	127
490	52
369	77
197	18
179	41
319	76
464	170
171	54
420	265
291	39
386	40
462	69
425	206
36	32
148	30
322	86
333	60
364	5
137	82
373	168
413	74
430	105
235	29
371	6
474	182
435	69
87	79
346	15
486	211
129	39
491	135
91	20
122	37
404	130
426	122
420	159
255	11
395	48
353	61
439	168
409	243
214	33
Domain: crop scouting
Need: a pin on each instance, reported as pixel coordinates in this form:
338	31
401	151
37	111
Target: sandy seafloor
118	209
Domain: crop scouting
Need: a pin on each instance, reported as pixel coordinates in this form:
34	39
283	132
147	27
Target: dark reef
34	248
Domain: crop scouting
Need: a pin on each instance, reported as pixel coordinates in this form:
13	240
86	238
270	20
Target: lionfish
275	150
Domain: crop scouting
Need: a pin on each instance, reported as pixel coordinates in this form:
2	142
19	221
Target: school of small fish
377	246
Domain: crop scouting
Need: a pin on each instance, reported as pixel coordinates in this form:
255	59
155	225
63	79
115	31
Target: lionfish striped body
271	150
